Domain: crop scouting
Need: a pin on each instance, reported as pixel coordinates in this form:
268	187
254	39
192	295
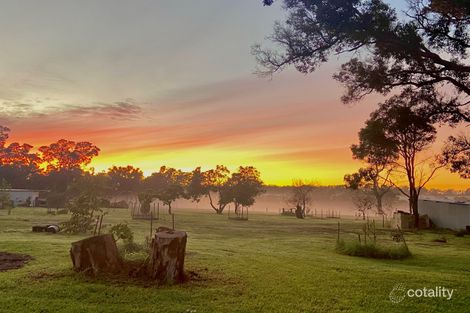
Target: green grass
266	264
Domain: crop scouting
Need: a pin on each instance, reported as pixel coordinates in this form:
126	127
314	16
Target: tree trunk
414	208
96	254
379	203
169	208
167	254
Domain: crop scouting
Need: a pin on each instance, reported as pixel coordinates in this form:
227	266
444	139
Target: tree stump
98	254
167	252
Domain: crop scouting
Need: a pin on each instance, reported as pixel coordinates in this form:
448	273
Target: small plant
82	209
123	232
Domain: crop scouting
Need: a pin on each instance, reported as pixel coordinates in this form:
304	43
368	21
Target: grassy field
267	264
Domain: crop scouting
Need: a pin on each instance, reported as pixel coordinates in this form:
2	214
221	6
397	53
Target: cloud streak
120	110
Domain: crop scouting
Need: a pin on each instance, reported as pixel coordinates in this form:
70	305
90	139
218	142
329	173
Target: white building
446	214
21	197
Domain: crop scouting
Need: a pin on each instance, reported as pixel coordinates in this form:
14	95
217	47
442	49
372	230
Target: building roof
447	201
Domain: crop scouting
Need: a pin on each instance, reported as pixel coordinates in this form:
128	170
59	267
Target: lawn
267	264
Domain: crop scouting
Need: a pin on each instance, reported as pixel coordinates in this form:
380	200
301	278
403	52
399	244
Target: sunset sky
171	83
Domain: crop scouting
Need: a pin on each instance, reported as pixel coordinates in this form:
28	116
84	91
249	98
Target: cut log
166	264
97	254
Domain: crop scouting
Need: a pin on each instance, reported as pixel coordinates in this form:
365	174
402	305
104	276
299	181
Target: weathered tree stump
98	254
167	252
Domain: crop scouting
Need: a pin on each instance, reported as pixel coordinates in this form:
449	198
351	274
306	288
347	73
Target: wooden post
173	220
338	232
158	210
99	227
96	227
151	224
365	235
375	237
383	220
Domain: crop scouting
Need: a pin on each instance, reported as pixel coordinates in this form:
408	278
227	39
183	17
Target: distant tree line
60	168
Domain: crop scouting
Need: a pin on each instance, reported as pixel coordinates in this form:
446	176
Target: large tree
168	185
425	49
242	188
125	179
378	152
67	155
215	180
400	122
18	164
301	195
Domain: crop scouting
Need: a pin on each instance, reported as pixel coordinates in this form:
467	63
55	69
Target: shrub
82	210
122	231
372	250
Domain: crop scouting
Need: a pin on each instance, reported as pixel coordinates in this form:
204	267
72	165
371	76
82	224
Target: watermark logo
400	292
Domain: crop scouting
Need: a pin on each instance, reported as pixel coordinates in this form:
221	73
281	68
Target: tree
369	180
18	165
168	185
301	195
84	199
400	122
125	179
364	202
425	49
378	152
67	155
197	188
215	180
456	153
242	188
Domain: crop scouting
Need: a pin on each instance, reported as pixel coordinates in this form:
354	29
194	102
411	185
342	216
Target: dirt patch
9	261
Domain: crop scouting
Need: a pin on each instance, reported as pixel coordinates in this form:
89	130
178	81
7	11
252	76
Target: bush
122	231
372	250
82	210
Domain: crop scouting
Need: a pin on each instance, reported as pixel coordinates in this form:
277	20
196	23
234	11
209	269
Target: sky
172	83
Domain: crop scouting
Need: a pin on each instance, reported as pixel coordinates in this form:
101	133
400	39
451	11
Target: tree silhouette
242	188
18	165
400	123
125	179
67	155
427	49
168	185
456	153
301	195
214	180
378	152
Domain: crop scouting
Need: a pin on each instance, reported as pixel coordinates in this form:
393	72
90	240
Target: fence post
338	232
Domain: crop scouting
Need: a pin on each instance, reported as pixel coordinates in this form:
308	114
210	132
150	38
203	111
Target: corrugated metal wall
446	214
